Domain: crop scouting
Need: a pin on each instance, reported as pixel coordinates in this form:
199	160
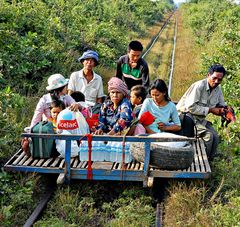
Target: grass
184	204
159	56
217	201
187	60
99	204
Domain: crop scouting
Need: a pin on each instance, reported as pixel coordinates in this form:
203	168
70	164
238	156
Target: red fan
146	118
228	116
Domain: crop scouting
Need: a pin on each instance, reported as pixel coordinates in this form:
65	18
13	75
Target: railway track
171	61
159	188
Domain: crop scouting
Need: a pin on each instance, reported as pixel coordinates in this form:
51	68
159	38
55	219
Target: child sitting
78	96
137	96
55	108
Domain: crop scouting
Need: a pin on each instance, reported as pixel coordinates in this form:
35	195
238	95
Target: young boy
55	108
78	96
137	96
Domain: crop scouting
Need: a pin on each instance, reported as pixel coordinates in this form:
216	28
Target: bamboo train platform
73	168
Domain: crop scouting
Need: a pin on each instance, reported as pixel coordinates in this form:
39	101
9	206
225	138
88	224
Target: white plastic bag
61	145
70	123
74	122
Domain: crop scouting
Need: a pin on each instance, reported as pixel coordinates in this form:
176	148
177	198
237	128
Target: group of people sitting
130	95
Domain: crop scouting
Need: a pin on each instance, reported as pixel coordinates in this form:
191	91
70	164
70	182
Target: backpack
42	147
188	125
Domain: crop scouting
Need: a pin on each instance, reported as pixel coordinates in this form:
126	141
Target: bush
14	116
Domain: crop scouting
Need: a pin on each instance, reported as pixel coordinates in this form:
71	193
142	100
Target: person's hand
98	132
217	111
162	126
75	107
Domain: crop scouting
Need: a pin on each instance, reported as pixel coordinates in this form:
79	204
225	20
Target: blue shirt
166	114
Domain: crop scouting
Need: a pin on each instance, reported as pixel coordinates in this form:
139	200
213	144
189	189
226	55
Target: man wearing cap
86	80
132	68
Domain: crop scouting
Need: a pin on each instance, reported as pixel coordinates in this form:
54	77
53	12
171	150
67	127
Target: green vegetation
100	204
215	26
39	38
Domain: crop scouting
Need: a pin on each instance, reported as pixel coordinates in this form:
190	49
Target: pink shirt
43	107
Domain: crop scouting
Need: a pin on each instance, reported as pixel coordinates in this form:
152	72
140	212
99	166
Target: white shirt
91	90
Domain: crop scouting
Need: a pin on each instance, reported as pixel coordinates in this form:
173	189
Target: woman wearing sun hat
57	88
86	80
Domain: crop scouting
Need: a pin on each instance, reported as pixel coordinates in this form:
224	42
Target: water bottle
128	156
113	152
83	151
107	152
119	152
95	147
102	151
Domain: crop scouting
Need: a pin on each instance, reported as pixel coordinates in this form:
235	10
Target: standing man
204	97
86	80
132	68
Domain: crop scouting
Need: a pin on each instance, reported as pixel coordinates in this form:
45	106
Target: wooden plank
75	163
202	166
141	166
102	165
14	157
23	160
204	156
79	166
40	162
133	165
19	158
196	162
119	166
189	169
84	165
62	164
35	162
128	165
137	166
48	161
114	165
29	160
56	161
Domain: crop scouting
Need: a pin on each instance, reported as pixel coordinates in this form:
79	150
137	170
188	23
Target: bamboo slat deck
110	170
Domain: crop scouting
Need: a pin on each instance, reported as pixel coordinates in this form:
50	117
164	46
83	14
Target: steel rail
157	36
173	58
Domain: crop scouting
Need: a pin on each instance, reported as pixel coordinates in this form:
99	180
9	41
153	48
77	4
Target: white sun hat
56	81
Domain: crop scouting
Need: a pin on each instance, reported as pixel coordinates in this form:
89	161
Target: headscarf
118	84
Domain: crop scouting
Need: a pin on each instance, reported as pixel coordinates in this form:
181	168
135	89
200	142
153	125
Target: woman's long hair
55	93
161	86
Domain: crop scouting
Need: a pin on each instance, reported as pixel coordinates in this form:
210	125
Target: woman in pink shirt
57	88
